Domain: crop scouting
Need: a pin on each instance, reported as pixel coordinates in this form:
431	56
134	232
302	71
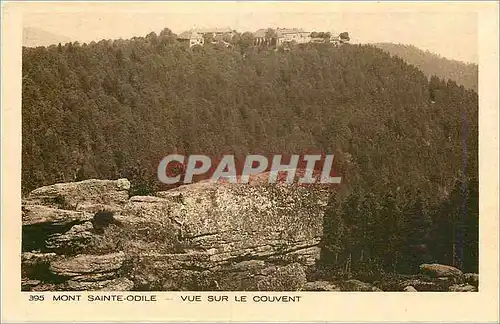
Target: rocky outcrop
39	214
89	195
237	222
225	237
197	237
442	271
74	240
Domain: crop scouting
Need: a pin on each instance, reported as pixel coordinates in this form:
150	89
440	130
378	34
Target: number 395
36	298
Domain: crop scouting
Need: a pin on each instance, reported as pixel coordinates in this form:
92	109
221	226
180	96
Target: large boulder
238	221
441	271
230	222
223	237
88	195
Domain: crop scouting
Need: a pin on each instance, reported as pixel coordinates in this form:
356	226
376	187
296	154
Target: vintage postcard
249	161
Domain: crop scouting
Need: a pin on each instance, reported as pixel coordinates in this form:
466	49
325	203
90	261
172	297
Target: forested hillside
465	74
33	37
406	147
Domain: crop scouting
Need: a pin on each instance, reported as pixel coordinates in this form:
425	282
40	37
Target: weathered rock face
89	195
50	229
74	240
88	266
196	237
236	221
91	272
39	214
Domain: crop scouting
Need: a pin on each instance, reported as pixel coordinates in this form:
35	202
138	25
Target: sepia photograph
249	147
101	109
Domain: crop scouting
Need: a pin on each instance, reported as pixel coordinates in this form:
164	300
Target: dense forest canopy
465	74
405	146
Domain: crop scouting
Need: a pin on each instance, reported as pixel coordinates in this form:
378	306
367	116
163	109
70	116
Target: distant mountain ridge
465	74
33	37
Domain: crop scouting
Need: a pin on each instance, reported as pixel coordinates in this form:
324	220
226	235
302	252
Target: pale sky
447	29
